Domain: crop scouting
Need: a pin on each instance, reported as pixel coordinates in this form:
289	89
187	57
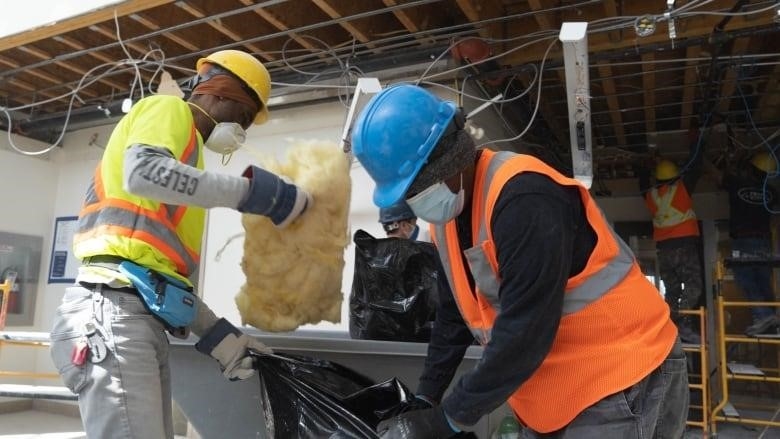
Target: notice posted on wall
63	266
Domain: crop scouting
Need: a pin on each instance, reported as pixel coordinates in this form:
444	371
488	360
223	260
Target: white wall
28	187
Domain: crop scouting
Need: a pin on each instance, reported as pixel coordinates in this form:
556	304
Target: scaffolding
699	382
728	372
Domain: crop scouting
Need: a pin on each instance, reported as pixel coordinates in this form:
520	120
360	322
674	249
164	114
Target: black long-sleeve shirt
542	239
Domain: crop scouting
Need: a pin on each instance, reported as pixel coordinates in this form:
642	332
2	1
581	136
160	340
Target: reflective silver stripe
575	299
91	197
482	337
666	215
484	278
440	236
602	281
120	217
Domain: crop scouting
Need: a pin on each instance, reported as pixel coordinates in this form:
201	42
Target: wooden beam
648	83
111	34
152	25
280	25
610	10
769	103
545	24
79	22
608	85
224	30
43	55
29	87
729	84
696	26
331	10
15	65
78	46
477	10
689	90
403	17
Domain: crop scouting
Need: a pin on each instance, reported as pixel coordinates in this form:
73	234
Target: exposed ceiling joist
120	9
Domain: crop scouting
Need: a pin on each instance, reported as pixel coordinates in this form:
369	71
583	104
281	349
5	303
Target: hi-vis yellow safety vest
615	327
672	210
163	237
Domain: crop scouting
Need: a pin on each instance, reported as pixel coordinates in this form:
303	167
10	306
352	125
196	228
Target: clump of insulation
293	275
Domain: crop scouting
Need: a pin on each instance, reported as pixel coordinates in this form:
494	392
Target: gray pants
127	395
654	408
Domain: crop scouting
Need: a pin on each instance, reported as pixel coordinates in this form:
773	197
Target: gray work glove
273	196
230	347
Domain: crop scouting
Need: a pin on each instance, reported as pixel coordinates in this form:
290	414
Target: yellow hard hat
666	170
765	162
247	68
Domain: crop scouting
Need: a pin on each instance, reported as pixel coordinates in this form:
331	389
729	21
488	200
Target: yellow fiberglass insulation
293	275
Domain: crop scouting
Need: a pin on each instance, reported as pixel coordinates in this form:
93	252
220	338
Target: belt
106	261
110	262
103	287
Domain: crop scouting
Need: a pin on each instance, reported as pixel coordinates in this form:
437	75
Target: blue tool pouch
165	297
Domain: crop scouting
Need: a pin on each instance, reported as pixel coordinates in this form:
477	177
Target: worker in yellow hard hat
751	206
139	235
677	240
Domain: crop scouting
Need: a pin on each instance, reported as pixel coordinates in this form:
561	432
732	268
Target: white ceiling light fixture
574	37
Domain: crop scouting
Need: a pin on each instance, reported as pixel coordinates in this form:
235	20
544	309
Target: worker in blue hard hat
399	221
537	277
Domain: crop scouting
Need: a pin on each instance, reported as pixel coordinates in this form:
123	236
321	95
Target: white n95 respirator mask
225	138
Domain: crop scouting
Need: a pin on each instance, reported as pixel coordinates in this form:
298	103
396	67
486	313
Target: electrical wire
536	107
772	151
728	14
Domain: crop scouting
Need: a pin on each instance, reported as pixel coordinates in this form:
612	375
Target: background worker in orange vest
139	235
677	239
576	340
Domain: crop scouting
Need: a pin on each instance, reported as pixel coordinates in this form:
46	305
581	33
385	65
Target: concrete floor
31	424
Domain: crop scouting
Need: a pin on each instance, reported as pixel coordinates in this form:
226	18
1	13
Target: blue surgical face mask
437	204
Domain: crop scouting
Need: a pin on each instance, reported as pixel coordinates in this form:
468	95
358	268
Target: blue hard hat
397	212
394	135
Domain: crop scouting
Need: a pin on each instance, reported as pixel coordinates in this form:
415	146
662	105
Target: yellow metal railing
5	293
718	413
703	384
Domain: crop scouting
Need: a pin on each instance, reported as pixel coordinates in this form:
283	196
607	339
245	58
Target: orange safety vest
672	209
615	328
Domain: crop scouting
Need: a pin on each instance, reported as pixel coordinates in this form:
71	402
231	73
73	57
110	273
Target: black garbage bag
304	397
394	289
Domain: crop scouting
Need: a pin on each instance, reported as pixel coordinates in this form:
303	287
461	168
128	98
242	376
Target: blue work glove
273	196
429	423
